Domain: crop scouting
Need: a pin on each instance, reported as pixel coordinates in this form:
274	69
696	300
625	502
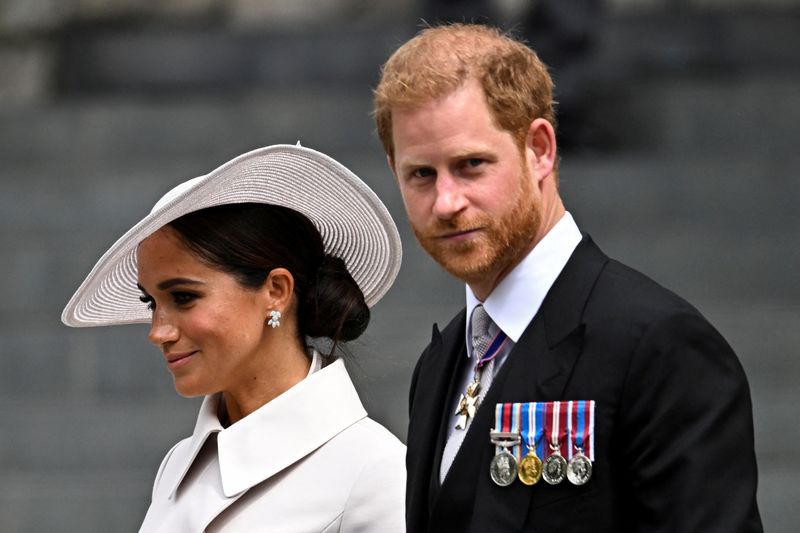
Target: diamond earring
274	319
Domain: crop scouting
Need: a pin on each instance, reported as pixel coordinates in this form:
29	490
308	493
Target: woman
234	270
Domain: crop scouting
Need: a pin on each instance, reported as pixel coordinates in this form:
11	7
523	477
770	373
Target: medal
581	418
555	467
579	469
530	466
468	403
470	400
503	468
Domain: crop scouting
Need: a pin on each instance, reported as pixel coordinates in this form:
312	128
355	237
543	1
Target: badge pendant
579	469
555	467
468	403
504	468
530	468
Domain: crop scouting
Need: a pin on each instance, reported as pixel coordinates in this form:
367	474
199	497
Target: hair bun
335	306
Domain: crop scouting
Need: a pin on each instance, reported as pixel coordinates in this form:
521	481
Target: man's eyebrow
479	152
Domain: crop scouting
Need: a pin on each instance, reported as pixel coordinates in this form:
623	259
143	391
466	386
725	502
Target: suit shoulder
627	307
626	290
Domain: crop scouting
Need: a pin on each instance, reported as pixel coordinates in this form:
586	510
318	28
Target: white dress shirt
516	300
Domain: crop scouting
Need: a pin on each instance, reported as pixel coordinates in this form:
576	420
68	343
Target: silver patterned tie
480	332
481	339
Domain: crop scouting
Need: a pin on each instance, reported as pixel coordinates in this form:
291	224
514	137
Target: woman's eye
151	304
183	298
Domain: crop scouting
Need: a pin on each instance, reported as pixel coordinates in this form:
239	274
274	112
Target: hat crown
175	192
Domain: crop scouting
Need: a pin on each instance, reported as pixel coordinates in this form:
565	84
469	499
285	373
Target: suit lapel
538	368
455	350
540	364
431	393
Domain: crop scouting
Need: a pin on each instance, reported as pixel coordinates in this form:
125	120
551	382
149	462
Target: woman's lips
177	360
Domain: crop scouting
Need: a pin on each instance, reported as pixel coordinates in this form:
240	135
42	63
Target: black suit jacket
673	423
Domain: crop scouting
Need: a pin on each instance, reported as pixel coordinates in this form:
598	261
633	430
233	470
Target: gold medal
530	468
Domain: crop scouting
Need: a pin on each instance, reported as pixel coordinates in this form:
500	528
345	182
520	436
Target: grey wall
683	166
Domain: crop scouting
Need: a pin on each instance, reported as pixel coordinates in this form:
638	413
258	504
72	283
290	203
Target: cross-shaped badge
468	404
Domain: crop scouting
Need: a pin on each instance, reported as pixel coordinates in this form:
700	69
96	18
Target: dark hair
249	240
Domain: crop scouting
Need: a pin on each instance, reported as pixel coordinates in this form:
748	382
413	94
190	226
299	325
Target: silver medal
555	468
579	469
503	468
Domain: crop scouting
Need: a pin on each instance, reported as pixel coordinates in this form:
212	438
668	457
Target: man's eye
423	173
474	162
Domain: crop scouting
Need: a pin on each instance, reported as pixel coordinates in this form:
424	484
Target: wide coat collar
537	369
274	436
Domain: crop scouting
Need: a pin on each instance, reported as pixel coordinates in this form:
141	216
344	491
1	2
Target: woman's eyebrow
169	283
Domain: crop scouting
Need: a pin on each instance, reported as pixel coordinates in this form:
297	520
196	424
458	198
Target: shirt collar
517	298
280	432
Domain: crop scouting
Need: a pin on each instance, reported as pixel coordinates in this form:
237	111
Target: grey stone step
731	114
108	500
92	434
126	133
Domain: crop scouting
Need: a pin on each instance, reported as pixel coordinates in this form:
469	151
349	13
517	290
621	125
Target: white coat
308	461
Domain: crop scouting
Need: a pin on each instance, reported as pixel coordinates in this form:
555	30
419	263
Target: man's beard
501	243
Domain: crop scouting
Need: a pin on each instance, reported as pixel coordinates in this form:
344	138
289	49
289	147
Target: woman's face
209	327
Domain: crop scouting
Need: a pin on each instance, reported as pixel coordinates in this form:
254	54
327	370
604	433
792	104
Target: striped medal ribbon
581	420
505	436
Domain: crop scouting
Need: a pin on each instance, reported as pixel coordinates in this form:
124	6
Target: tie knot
480	322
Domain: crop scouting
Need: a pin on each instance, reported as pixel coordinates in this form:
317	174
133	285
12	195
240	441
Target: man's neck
483	288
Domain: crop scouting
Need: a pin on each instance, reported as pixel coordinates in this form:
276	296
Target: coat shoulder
170	459
376	493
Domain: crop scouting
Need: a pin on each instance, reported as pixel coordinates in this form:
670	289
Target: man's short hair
440	59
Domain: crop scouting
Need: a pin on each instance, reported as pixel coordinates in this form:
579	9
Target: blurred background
679	126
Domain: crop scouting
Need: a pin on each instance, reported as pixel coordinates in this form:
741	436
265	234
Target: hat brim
353	222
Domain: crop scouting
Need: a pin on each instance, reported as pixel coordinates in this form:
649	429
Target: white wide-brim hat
353	222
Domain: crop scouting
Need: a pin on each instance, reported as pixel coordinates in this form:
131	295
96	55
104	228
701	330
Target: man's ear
540	148
390	162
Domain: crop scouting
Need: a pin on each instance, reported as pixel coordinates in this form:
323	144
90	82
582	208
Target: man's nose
450	199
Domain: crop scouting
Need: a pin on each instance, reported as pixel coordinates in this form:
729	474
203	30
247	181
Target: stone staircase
695	187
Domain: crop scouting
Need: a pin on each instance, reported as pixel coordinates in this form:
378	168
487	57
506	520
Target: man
562	355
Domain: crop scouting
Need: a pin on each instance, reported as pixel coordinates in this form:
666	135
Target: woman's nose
161	329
